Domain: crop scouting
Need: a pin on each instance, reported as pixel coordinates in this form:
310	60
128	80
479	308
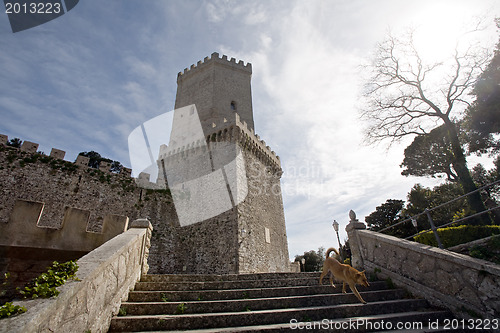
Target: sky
85	80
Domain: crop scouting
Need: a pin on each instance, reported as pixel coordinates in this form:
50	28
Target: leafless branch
401	101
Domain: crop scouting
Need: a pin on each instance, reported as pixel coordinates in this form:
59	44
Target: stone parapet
3	139
57	153
29	147
51	203
351	228
465	285
106	275
234	131
22	229
200	65
81	161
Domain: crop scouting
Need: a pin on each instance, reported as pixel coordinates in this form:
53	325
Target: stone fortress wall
69	207
62	207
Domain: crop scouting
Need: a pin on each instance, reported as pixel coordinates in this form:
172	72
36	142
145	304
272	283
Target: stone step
203	295
261	317
419	319
238	305
262	302
226	277
222	285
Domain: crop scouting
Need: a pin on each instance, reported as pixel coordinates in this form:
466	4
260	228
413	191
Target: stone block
141	223
143	176
3	139
426	265
57	153
105	166
414	258
488	286
114	225
29	147
126	171
354	225
82	161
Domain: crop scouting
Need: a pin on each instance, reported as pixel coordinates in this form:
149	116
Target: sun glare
441	27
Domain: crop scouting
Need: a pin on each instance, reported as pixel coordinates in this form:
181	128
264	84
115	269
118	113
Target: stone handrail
106	275
466	285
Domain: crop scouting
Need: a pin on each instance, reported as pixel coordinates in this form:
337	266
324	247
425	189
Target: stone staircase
267	302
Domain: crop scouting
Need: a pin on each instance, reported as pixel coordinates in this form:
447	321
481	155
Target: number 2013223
33	8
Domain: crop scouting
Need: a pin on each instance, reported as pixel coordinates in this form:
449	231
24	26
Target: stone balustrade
106	275
469	287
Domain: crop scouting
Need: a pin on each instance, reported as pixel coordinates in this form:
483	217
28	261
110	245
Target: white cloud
310	85
94	76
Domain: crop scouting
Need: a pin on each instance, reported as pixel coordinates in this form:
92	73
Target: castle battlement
240	65
224	195
234	130
248	139
72	235
81	161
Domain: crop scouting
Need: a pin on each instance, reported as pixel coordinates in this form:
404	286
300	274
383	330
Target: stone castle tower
221	213
225	180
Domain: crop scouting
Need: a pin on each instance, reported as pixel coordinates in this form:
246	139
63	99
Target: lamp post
336	228
303	264
414	222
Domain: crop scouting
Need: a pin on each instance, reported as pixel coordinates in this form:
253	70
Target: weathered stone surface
87	304
443	277
260	302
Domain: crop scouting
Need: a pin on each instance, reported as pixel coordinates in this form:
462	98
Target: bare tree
407	96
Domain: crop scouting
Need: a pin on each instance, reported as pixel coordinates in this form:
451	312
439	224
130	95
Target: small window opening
233	106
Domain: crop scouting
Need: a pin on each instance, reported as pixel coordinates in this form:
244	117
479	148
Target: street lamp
303	264
336	228
414	222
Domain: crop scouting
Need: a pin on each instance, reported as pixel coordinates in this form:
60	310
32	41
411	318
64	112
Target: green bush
9	309
45	285
452	236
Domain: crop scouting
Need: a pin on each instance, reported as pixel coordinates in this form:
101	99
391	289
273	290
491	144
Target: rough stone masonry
248	237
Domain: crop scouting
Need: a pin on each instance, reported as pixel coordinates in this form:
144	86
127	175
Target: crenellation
63	195
57	153
105	166
29	147
4	139
72	235
127	172
82	161
144	176
214	57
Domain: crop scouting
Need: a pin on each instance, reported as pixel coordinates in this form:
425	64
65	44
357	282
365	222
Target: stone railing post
146	244
354	240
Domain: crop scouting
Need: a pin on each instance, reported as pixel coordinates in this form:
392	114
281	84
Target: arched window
233	106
